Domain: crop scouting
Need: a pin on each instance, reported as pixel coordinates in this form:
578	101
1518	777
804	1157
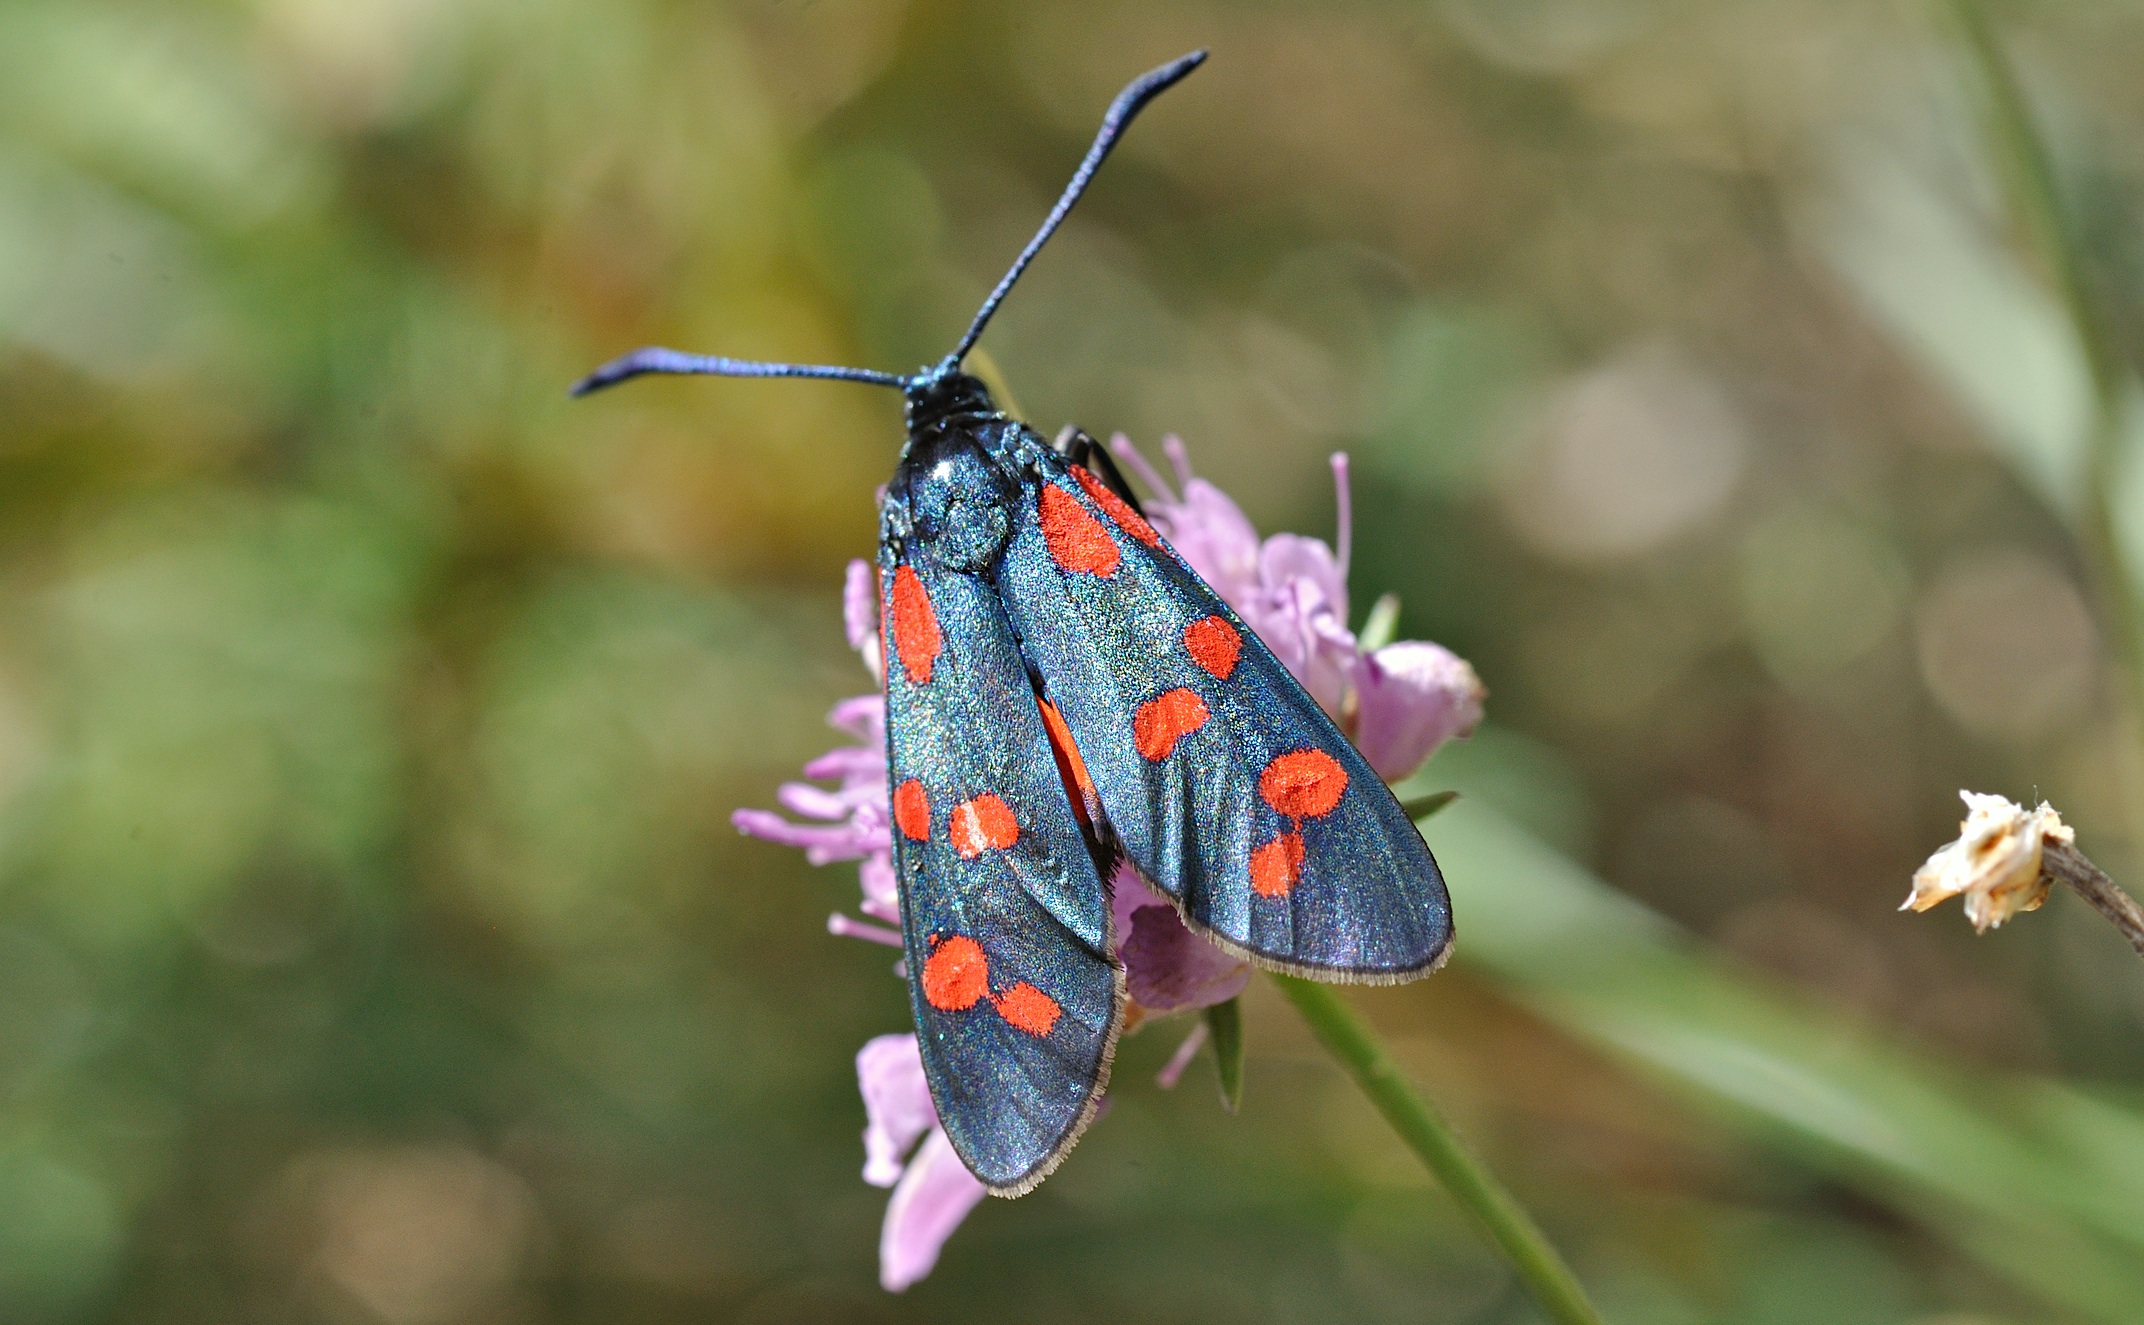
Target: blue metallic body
962	512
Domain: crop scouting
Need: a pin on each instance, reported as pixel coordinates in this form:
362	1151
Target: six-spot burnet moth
1062	691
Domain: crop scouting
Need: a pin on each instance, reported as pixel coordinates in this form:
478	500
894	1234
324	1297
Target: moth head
939	394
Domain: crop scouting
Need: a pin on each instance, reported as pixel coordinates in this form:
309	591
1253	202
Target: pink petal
935	1194
1297	621
862	764
1179	455
1293	561
1137	463
863	717
1343	517
882	897
1412	697
1128	891
822	844
810	801
897	1104
859	613
1214	538
1167	967
848	927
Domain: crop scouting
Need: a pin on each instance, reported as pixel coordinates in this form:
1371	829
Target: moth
1063	692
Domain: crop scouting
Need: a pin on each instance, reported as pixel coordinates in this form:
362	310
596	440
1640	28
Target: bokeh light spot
1819	593
1630	456
2007	646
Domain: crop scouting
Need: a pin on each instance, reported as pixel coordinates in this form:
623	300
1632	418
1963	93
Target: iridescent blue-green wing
1228	786
1016	994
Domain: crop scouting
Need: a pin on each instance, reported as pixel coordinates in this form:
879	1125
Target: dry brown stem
2063	862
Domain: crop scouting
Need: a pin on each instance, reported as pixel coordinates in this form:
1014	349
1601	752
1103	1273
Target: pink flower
1411	696
1167	967
932	1190
1398	703
853	816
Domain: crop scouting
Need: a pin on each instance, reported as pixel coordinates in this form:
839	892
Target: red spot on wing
1214	645
1071	769
981	824
1303	784
915	625
956	976
1120	510
1028	1008
912	811
1077	540
1165	719
1277	865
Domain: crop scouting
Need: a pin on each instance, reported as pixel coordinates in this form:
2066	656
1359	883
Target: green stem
2035	201
1350	1040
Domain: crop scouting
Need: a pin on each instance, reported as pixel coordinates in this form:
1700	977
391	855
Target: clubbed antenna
1129	103
657	360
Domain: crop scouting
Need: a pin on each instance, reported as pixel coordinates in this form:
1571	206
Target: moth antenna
1129	103
655	359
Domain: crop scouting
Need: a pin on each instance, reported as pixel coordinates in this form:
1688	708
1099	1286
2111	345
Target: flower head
1398	703
1995	863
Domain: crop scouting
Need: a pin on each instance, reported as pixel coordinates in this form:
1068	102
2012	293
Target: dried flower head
1994	864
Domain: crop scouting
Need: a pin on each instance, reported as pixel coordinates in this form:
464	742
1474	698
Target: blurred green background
374	946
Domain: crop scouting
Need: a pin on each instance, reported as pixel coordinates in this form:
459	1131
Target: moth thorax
959	503
946	397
